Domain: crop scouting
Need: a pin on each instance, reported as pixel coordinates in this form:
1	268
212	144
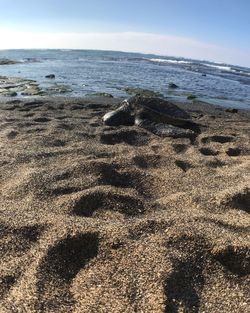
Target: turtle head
125	106
132	101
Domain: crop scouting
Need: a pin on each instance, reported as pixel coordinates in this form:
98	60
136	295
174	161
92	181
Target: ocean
86	72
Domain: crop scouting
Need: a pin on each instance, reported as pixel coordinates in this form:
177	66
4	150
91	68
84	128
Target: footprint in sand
12	134
148	161
99	200
239	200
214	163
54	142
64	117
208	151
42	119
6	282
28	106
180	148
24	109
11	108
182	284
21	240
33	104
65	126
184	165
58	269
217	138
128	136
29	115
185	283
235	259
16	101
109	175
233	151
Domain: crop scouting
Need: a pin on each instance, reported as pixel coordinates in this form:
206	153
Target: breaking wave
170	61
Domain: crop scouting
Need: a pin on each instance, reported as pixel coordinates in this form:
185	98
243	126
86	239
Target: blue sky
217	30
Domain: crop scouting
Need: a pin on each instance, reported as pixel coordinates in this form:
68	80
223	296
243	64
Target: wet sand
116	219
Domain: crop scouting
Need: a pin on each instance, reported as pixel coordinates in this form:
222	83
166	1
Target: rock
57	88
100	94
7	62
172	85
32	90
142	92
203	74
12	94
7	93
231	110
50	76
191	97
12	86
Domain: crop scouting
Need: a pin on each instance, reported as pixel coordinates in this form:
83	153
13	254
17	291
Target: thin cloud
124	41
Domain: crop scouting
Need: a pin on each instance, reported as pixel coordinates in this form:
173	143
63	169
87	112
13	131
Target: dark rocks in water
13	86
231	110
12	94
58	89
203	74
191	97
8	62
100	94
8	93
32	90
142	92
172	86
50	76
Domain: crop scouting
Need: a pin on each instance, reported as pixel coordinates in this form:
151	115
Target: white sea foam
220	67
169	61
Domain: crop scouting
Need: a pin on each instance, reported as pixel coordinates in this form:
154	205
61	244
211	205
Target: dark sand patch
59	267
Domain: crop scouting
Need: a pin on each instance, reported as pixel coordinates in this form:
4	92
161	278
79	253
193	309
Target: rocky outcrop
172	85
51	76
142	92
8	62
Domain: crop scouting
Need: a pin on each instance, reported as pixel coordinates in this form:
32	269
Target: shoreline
76	74
116	219
178	100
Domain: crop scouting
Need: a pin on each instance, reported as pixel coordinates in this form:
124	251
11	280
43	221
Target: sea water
92	71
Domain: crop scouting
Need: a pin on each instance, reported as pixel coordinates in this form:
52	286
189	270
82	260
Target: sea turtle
159	116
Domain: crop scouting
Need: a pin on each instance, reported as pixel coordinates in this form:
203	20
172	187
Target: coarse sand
116	219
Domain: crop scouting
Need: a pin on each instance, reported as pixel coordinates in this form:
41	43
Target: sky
214	30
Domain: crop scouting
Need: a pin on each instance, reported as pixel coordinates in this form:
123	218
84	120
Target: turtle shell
160	107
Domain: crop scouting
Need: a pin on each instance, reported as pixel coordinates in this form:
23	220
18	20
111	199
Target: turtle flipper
120	116
163	130
167	130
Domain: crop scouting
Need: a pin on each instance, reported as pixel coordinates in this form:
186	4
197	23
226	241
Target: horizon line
133	52
130	42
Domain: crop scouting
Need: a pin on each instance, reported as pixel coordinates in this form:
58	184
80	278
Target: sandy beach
116	219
